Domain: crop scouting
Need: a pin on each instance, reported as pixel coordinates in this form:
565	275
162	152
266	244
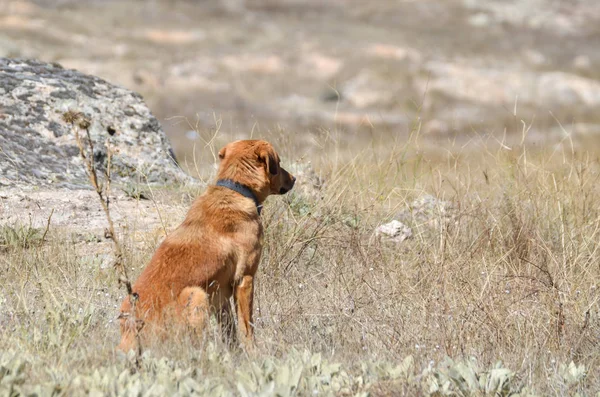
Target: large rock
37	145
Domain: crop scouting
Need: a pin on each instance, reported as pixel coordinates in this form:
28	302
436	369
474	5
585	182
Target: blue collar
241	189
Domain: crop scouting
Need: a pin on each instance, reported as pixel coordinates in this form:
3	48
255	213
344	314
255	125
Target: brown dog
213	254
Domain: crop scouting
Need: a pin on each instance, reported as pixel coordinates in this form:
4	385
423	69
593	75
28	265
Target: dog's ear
222	153
270	161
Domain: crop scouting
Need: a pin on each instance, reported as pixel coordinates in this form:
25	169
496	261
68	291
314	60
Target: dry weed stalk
80	122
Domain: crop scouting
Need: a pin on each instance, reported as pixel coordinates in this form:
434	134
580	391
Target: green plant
19	236
467	379
136	191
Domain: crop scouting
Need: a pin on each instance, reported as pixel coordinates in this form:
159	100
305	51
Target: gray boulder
38	146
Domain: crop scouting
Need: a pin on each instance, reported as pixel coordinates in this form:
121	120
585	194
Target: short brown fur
213	255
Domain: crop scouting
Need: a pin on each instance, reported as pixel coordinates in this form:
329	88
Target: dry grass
509	271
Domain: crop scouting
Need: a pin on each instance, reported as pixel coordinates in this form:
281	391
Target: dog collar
241	189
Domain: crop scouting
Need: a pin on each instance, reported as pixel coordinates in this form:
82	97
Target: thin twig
47	226
79	121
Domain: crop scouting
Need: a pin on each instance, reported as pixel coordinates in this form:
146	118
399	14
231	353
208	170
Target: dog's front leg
243	295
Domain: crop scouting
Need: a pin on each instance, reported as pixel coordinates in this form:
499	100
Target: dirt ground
78	216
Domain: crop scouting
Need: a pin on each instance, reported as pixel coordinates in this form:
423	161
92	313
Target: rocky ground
305	73
80	212
77	216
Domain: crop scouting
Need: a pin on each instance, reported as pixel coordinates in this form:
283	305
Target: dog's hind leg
194	304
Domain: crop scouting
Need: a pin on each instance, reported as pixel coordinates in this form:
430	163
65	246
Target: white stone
395	231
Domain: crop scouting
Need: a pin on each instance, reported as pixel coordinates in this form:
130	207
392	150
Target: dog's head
254	163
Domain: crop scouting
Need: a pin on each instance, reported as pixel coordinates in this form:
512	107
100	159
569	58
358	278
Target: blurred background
311	73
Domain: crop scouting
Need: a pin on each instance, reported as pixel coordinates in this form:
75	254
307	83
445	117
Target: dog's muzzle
285	189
